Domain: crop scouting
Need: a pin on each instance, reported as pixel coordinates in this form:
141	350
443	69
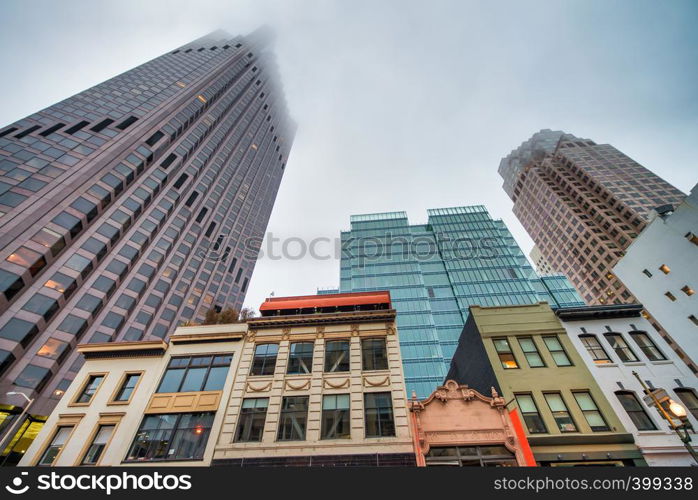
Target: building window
693	319
174	436
301	358
688	290
90	388
528	346
127	387
506	357
665	269
335	416
635	411
337	356
621	348
54	448
561	414
251	422
647	346
378	414
670	296
264	361
530	413
595	349
373	354
471	456
293	418
647	273
94	452
196	373
689	398
557	351
590	411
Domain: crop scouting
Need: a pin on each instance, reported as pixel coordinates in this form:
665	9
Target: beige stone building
320	382
147	402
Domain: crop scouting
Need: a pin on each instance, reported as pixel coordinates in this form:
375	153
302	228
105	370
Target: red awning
330	300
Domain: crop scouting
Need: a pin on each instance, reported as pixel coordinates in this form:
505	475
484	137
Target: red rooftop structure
338	302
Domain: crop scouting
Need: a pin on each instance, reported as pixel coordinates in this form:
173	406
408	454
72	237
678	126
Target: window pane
300	358
337	356
128	387
252	418
56	446
172	380
378	414
94	452
264	361
292	422
216	378
374	354
91	387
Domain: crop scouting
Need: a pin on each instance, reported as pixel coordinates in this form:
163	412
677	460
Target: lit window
180	84
27	258
665	269
505	355
688	290
201	98
692	238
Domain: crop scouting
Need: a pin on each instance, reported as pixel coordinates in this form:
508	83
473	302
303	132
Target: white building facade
661	269
615	341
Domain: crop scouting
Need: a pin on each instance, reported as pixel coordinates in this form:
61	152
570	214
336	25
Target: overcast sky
400	105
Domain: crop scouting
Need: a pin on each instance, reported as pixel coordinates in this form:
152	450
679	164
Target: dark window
561	414
557	351
99	442
528	346
373	354
337	356
182	179
90	303
94	246
114	182
168	161
69	222
689	398
530	414
113	320
89	389
301	358
125	302
42	305
54	448
10	284
201	215
595	349
75	128
506	357
101	194
293	418
6	359
192	198
253	414
264	361
153	139
171	437
127	387
621	348
102	125
73	324
104	284
378	414
591	411
196	373
648	347
33	377
127	123
635	411
110	232
19	330
335	416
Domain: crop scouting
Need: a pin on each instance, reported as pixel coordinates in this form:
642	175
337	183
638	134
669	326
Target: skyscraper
134	205
582	203
434	272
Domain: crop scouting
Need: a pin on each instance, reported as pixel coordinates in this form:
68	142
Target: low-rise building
146	402
616	340
320	383
660	268
456	425
525	354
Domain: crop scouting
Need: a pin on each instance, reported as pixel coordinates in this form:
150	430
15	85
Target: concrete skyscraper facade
134	205
434	273
582	203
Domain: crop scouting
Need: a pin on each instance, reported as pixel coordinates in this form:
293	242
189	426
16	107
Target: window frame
537	413
211	364
644	348
606	428
500	353
249	417
72	423
556	351
342	413
340	362
567	410
378	419
289	414
265	362
120	386
373	358
90	442
589	349
76	398
300	358
535	351
687	390
630	413
613	335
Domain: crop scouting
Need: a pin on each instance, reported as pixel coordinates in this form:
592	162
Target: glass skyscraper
134	205
434	272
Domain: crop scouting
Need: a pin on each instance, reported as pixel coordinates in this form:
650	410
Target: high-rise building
435	272
134	205
582	203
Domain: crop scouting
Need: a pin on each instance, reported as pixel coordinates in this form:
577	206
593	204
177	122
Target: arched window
595	349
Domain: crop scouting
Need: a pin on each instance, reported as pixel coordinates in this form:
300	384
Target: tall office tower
434	273
582	203
134	205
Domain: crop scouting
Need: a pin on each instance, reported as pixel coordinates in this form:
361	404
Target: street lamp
678	411
13	428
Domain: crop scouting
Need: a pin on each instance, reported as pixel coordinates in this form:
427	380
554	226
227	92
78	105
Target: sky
400	105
